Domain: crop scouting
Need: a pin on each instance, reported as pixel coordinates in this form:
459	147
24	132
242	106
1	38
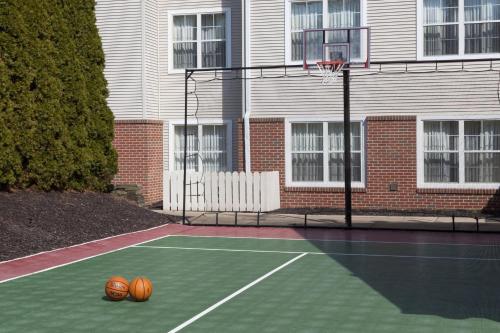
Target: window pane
184	28
192	148
491	135
306	15
185	55
307	137
482	167
336	145
440	11
441	40
336	136
213	54
344	13
482	10
307	167
441	135
214	145
213	26
336	167
482	38
441	167
483	135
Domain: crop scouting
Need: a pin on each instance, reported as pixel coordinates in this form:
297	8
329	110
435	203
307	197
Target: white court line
317	253
340	240
233	295
80	260
223	250
86	243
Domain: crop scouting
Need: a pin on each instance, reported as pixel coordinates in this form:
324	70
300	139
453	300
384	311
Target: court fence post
347	149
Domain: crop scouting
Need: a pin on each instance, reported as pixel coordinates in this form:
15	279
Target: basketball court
228	279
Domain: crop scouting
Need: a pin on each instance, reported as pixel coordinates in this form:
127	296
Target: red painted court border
16	268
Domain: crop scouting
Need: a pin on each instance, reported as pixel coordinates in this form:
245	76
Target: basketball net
330	70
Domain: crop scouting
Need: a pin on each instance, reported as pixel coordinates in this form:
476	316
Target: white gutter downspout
247	110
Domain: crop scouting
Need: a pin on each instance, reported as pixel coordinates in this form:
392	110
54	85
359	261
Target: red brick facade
391	158
139	144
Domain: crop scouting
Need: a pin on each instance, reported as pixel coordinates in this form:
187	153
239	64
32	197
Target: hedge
56	129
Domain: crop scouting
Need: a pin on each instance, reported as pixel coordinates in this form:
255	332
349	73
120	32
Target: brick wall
139	144
390	157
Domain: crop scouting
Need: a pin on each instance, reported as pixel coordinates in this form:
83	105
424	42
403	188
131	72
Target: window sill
474	191
458	58
323	189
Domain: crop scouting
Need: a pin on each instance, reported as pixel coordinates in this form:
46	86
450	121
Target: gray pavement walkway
360	221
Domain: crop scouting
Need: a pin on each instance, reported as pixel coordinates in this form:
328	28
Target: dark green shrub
56	130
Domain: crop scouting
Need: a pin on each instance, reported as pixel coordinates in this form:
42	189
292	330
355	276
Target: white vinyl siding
447	91
120	29
458	153
151	77
315	153
129	35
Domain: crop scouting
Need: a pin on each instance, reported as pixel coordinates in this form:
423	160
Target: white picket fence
223	191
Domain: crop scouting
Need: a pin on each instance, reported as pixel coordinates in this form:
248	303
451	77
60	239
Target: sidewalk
337	221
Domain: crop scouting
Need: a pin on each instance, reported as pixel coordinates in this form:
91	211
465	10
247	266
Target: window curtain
185	41
307	152
482	151
440	34
343	14
336	151
482	37
213	35
441	152
306	15
214	156
192	148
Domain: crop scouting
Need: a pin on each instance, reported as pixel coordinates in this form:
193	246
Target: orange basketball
116	288
141	288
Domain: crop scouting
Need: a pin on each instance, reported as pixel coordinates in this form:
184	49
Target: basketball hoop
330	70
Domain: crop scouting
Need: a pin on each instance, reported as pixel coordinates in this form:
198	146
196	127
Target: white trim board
200	122
198	13
420	153
288	35
461	37
324	184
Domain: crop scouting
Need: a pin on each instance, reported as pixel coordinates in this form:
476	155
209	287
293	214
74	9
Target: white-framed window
209	146
315	153
454	29
319	14
459	153
199	39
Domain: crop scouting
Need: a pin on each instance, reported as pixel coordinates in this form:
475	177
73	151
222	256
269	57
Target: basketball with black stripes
116	288
141	288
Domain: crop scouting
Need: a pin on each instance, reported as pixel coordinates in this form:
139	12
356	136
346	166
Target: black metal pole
347	148
186	77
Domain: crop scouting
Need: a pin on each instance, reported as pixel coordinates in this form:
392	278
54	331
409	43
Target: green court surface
204	284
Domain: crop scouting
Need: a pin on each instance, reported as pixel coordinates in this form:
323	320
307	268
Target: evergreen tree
55	127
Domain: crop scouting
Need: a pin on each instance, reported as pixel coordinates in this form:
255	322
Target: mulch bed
32	222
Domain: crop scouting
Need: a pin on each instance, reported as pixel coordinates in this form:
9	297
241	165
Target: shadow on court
449	288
